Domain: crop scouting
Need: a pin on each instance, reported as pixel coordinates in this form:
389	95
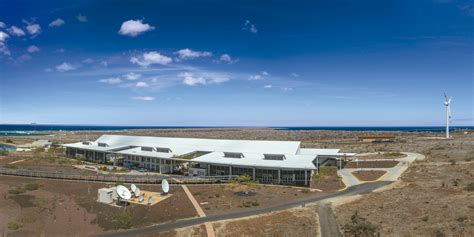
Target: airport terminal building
277	162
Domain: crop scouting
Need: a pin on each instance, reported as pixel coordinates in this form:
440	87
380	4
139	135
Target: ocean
42	129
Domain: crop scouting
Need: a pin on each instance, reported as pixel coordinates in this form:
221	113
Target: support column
230	170
253	173
208	170
305	177
160	165
279	176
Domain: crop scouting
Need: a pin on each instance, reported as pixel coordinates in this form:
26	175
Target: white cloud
255	77
32	49
294	74
190	54
145	98
286	89
191	79
227	59
88	60
48	69
3	36
33	29
134	27
132	76
23	58
3	46
2	24
104	63
64	67
81	18
250	27
268	86
60	50
259	76
150	58
141	84
16	31
113	80
57	22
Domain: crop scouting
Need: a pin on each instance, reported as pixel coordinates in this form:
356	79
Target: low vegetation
10	166
250	204
123	220
13	225
359	226
469	187
25	188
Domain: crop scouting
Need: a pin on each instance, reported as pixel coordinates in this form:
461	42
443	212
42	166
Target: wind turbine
447	103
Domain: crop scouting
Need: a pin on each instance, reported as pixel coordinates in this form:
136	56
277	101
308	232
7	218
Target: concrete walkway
392	173
209	228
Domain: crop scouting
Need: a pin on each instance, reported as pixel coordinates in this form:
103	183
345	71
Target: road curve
353	190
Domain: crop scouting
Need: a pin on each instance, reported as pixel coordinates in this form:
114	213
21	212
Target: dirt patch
386	155
372	164
327	180
368	175
294	222
59	208
217	199
194	231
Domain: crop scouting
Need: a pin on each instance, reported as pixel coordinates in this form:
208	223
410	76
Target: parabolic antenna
123	192
137	192
150	200
133	187
141	198
165	186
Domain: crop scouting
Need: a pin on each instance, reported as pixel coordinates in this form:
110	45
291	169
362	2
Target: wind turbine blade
445	96
449	101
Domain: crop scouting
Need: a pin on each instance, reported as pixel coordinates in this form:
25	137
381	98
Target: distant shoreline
36	129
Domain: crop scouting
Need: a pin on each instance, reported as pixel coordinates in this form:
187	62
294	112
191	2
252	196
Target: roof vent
102	144
163	149
147	148
274	157
233	155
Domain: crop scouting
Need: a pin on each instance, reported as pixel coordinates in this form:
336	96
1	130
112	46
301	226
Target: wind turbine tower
447	103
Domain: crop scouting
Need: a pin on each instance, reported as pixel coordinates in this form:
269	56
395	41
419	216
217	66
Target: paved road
327	221
353	190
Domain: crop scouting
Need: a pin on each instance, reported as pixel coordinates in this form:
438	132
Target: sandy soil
223	198
368	175
372	164
430	199
293	222
59	208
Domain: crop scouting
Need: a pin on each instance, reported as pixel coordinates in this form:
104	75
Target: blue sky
236	63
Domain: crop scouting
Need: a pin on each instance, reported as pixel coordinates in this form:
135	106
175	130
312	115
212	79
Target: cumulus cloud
13	30
227	59
150	58
190	54
248	26
64	67
145	98
23	58
142	84
2	24
268	86
57	22
81	18
113	80
134	27
33	29
88	60
3	46
286	89
132	76
32	49
191	79
259	76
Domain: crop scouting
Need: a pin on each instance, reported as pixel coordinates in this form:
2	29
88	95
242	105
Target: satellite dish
150	200
165	186
133	187
137	192
141	198
123	192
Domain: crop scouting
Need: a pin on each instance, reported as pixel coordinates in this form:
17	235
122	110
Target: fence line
141	179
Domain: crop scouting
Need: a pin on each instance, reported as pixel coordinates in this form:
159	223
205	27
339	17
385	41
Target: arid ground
433	197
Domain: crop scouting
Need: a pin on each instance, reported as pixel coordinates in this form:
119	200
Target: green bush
123	220
10	166
16	191
12	225
250	204
469	187
3	153
32	186
359	226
